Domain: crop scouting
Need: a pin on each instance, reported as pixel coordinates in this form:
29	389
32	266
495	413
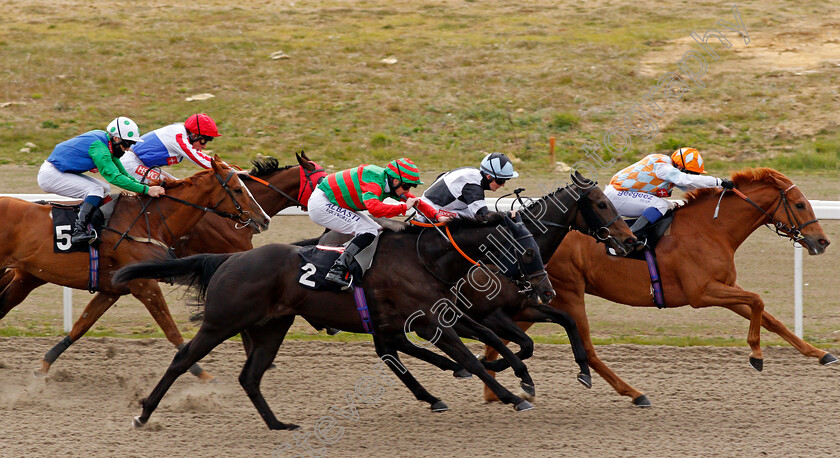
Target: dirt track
707	401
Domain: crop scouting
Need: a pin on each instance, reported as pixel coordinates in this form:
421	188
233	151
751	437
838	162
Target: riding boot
80	230
340	271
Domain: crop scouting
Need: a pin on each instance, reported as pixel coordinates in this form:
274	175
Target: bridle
223	182
782	229
595	225
237	217
309	182
523	281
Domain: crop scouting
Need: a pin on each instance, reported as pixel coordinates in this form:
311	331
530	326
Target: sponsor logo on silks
171	160
662	192
152	175
446	213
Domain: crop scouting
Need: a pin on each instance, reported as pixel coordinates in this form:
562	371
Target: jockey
460	192
62	172
639	190
170	145
338	200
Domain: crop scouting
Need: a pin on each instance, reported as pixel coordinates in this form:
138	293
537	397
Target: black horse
257	293
579	206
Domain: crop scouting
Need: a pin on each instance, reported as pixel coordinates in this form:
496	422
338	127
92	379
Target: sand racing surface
707	401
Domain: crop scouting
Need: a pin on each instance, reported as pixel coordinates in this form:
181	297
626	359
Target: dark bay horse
27	247
580	206
257	293
696	264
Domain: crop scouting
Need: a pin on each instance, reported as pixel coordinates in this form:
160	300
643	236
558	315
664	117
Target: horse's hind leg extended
148	292
15	285
207	338
400	343
265	341
92	312
388	352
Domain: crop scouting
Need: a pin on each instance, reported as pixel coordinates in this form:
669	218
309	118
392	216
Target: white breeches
329	215
74	185
632	203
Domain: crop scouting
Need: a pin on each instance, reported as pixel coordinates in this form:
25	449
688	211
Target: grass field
470	77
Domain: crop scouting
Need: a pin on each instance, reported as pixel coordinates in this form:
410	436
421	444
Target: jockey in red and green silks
338	200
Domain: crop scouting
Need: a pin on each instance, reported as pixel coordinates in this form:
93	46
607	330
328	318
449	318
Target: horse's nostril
824	242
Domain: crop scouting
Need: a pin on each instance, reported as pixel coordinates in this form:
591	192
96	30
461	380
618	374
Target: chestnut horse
696	263
275	187
27	248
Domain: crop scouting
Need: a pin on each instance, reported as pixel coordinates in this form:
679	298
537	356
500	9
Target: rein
782	229
523	282
143	212
308	177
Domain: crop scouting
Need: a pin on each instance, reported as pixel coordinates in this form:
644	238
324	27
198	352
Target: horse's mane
186	181
266	166
741	178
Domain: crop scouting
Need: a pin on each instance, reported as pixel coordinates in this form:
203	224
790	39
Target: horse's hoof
827	359
439	406
205	377
528	389
481	358
757	363
641	401
137	423
45	369
585	380
292	427
523	406
272	366
39	374
461	374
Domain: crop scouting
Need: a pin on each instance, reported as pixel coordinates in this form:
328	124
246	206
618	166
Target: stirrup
85	237
343	279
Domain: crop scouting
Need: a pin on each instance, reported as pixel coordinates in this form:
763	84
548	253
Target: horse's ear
303	155
304	162
216	163
581	181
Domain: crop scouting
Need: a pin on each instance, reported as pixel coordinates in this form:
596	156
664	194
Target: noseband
782	229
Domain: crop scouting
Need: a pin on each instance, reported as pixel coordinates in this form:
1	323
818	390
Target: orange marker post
551	152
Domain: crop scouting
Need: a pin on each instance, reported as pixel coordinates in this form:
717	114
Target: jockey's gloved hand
727	184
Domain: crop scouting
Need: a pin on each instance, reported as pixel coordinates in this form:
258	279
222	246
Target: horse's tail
194	271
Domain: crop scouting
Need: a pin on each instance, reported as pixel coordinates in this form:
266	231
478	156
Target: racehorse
27	248
696	264
581	206
257	293
273	186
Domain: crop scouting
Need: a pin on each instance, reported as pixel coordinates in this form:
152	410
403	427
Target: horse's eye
602	205
529	255
238	190
800	206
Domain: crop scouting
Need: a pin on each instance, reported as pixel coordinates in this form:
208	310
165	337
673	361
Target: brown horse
27	247
275	187
696	263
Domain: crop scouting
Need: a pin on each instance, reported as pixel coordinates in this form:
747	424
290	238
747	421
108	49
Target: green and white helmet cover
124	128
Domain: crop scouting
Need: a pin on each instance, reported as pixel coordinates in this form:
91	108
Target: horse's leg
148	292
207	338
718	294
544	313
17	286
774	325
388	352
93	311
449	342
401	343
467	327
265	341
